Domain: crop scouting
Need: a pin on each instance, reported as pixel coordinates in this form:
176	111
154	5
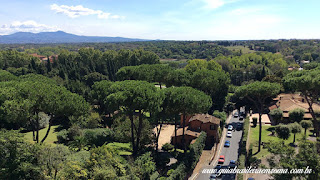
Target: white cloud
79	10
214	4
26	26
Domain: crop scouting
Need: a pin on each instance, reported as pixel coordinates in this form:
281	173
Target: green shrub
254	121
179	173
167	147
154	176
62	136
98	136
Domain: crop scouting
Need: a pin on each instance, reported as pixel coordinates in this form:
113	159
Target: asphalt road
230	153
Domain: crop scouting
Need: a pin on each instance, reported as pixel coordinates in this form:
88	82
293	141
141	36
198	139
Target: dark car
232	164
236	115
213	176
250	178
227	144
241	118
239	126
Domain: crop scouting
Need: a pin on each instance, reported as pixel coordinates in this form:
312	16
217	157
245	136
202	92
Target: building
193	127
44	59
289	102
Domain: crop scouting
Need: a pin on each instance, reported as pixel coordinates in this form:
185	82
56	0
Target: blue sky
166	19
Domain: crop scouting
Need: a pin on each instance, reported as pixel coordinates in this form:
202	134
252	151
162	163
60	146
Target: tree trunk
37	127
158	134
48	131
139	131
305	131
260	130
175	133
160	85
183	126
294	138
33	132
132	134
315	122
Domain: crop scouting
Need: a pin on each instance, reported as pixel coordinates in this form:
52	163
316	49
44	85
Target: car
229	134
218	167
213	176
241	118
236	115
250	178
230	127
221	159
232	164
239	126
227	144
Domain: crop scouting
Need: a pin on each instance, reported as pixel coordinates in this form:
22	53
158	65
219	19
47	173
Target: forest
89	111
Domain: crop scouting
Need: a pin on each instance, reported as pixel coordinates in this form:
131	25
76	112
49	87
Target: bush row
93	137
243	144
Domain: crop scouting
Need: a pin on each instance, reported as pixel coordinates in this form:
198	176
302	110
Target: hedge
243	144
190	160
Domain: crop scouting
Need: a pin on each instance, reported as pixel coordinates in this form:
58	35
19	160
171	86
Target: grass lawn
245	50
122	148
51	139
266	137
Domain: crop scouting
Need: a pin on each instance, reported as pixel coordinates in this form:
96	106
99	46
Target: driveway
165	134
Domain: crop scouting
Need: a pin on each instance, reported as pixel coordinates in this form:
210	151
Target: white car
230	128
229	134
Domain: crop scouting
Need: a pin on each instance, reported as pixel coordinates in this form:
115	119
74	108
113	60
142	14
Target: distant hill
57	37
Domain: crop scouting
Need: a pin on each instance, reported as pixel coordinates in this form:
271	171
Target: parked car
239	126
229	134
241	118
250	178
227	144
218	167
213	176
232	164
230	127
236	115
221	159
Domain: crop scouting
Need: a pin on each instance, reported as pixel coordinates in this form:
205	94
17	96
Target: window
212	127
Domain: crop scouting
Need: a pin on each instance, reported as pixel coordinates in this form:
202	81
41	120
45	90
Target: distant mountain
57	37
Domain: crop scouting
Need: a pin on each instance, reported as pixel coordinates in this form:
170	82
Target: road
230	153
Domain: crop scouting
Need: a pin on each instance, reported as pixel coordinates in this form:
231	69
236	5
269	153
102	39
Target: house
193	127
44	59
288	102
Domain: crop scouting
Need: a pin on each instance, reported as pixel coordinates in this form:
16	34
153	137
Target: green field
266	137
245	50
51	139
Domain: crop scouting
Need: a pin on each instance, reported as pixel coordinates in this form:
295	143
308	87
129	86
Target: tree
179	77
283	131
187	101
308	83
258	93
196	64
132	96
306	124
18	159
276	115
295	128
296	115
146	166
52	159
214	84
